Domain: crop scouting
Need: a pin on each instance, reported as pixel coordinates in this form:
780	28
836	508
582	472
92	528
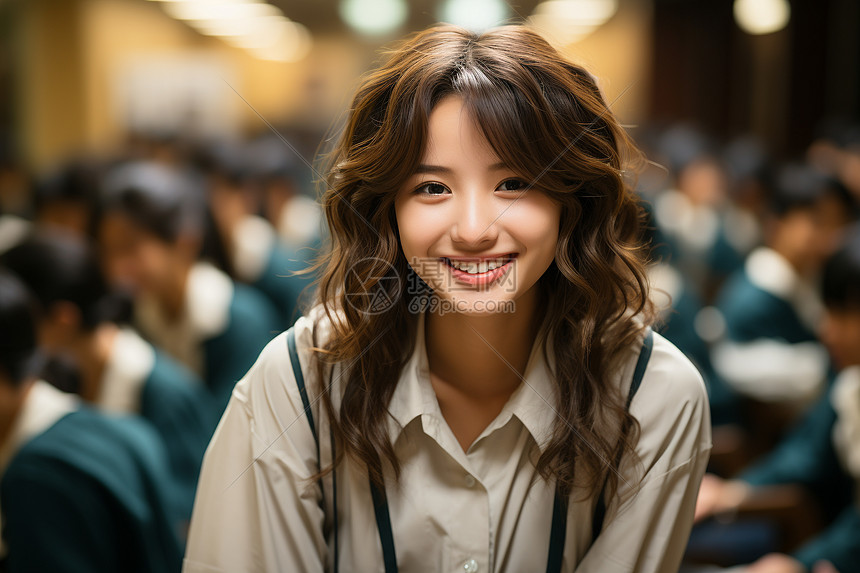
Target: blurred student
836	150
771	307
680	321
823	452
691	213
749	172
64	198
150	234
15	201
254	252
281	176
118	370
80	492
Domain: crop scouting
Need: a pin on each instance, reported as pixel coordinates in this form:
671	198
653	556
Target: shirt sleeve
647	530
255	509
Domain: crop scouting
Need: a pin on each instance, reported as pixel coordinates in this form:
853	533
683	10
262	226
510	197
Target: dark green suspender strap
300	382
559	510
559	506
383	524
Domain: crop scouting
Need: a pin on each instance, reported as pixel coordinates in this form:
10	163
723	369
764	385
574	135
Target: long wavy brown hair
547	120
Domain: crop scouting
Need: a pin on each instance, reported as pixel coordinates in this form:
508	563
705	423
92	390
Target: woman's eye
432	189
512	185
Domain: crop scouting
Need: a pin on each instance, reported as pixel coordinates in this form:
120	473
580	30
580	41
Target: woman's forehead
455	137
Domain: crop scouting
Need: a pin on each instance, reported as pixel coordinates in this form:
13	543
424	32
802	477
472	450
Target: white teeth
479	267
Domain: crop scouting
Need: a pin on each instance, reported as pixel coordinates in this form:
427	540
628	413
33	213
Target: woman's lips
480	279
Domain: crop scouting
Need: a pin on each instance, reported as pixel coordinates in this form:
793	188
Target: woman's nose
476	218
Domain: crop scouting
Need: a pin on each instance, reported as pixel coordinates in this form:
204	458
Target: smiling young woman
492	426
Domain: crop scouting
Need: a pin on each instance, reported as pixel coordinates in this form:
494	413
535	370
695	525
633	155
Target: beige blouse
483	510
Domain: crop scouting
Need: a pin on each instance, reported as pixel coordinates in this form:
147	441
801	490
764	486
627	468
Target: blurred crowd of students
758	261
136	290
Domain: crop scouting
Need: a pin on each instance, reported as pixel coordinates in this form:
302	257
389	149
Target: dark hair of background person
59	267
18	337
840	281
161	200
797	185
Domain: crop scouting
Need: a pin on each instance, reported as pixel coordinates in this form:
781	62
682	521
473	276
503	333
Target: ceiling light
762	16
476	15
568	21
374	17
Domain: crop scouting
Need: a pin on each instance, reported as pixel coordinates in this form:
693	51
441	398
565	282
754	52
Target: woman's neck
482	357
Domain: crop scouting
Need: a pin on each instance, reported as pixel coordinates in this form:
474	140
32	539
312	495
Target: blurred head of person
749	172
14	180
836	151
807	214
695	164
840	329
278	171
228	170
65	197
166	146
63	274
19	356
150	228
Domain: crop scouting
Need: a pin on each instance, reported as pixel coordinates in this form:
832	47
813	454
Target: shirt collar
846	429
42	408
533	403
130	363
208	294
772	273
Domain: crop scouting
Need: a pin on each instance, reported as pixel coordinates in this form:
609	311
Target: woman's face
469	226
133	259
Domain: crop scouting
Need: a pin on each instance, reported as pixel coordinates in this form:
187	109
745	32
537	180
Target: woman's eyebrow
425	168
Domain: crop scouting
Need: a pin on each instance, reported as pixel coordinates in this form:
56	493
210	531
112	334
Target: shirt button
470	566
470	481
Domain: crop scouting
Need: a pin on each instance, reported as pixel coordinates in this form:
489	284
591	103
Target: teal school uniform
751	313
89	493
142	380
224	327
770	351
678	316
176	403
268	263
704	242
229	354
810	456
